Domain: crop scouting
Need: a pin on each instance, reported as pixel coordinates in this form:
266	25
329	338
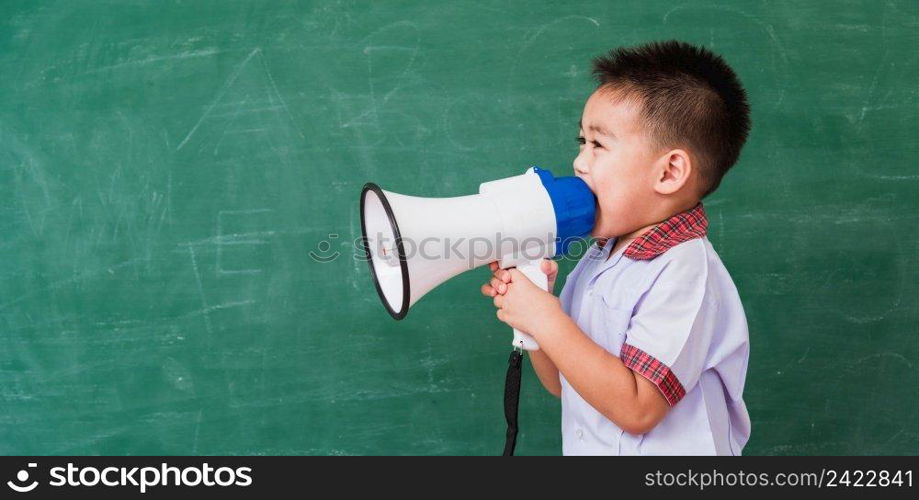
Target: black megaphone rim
403	262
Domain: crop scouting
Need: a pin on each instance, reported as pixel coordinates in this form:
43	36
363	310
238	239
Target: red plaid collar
683	226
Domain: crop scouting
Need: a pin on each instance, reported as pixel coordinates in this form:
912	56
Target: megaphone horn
516	221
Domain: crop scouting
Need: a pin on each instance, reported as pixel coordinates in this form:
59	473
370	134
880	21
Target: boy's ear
673	172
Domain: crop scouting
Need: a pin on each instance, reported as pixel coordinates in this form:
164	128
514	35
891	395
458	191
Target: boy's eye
583	141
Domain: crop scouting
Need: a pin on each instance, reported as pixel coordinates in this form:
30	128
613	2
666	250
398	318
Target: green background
167	167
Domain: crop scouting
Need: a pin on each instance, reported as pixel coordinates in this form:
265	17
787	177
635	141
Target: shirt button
580	434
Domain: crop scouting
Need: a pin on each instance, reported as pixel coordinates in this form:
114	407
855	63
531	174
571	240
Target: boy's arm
547	372
631	401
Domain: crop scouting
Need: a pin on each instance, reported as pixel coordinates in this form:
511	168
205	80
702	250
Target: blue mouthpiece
575	208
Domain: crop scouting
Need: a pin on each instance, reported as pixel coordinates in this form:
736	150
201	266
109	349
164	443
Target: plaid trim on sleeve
650	368
681	227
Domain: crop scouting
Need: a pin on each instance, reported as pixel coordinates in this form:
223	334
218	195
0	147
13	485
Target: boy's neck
629	238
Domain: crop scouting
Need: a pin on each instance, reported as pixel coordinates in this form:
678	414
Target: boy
647	345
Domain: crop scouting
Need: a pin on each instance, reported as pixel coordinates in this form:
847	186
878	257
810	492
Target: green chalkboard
167	168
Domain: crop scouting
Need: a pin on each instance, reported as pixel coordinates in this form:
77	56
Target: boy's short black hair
689	98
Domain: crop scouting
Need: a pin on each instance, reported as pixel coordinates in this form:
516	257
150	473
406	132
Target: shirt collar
681	227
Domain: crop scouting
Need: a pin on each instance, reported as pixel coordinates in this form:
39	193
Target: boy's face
615	160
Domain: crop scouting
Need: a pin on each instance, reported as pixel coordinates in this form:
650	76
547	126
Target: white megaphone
414	244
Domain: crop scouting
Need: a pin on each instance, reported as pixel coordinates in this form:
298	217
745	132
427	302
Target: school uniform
666	305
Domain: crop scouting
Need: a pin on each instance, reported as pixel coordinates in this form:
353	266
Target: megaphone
414	243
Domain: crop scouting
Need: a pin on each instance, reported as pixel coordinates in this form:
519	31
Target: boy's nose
583	174
580	167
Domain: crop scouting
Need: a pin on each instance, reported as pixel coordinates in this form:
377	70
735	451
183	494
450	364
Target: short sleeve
668	339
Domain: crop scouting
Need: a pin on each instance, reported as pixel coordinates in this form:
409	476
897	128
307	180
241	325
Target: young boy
647	345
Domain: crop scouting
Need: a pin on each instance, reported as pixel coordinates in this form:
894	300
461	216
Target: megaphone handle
532	270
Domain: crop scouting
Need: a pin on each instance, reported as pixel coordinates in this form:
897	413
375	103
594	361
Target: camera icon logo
21	477
324	255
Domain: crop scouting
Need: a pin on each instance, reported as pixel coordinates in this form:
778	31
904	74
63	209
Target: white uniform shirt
668	308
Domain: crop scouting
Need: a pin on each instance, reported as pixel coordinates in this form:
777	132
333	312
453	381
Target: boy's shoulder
686	264
677	250
691	268
696	269
694	256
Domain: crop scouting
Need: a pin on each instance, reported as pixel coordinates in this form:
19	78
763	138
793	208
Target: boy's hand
521	304
492	288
